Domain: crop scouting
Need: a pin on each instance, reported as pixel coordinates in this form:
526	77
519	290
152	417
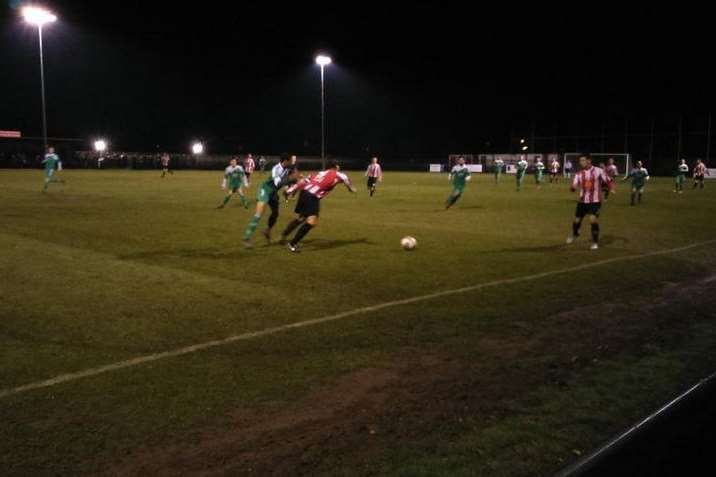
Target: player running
638	175
165	159
554	171
458	176
374	173
249	166
539	172
589	181
681	170
51	162
700	172
281	175
521	172
499	167
235	181
308	207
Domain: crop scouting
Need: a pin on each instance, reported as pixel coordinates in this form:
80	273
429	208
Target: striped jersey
554	167
165	160
590	182
321	184
374	170
612	171
249	165
700	169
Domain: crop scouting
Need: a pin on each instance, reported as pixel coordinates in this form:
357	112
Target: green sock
251	227
227	199
244	202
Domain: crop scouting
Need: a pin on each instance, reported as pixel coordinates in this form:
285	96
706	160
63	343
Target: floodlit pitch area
516	377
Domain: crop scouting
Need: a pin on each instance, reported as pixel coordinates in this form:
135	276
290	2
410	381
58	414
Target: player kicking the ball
374	173
281	175
312	190
588	181
235	181
458	177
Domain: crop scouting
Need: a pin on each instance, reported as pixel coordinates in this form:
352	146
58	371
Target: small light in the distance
197	148
100	145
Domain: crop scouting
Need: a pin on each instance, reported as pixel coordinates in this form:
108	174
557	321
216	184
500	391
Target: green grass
113	265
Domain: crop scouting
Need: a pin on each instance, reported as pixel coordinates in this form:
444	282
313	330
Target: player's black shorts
248	175
372	181
273	201
588	209
308	204
699	178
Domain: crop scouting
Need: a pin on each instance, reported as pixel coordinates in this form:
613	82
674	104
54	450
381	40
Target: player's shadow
559	247
323	244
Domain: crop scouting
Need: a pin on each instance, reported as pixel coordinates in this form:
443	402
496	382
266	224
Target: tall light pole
323	61
39	16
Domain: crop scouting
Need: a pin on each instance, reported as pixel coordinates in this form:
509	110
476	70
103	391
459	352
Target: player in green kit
639	175
234	182
50	161
681	171
521	172
282	174
499	167
459	175
539	172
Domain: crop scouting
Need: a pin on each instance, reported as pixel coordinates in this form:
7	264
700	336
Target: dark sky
418	78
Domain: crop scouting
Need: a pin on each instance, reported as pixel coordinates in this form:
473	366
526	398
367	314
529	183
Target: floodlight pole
323	119
42	89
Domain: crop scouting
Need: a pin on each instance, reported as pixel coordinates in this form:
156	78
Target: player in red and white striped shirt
589	181
700	172
374	173
249	166
312	189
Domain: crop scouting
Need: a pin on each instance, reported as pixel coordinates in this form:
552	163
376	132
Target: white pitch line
65	378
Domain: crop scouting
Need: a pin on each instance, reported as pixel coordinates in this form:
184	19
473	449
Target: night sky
408	79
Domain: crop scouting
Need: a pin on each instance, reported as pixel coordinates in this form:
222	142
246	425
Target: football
408	243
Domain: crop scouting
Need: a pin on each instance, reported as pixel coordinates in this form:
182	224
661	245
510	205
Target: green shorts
265	193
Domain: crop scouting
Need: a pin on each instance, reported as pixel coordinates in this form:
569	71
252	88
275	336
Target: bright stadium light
524	148
100	145
522	141
323	60
38	16
197	148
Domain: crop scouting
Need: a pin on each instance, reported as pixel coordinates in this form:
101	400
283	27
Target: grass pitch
506	380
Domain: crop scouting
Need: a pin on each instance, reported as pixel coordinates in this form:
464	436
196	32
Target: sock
226	199
291	227
251	227
595	233
372	191
243	200
273	218
305	228
164	173
640	197
633	197
575	228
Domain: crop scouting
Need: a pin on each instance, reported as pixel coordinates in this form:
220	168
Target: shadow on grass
239	250
584	239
